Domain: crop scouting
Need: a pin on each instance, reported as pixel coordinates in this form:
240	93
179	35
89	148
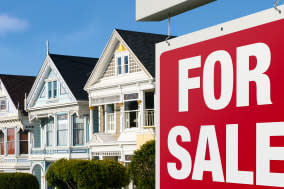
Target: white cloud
11	24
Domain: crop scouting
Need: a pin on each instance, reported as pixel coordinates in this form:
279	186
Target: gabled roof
17	86
75	71
143	46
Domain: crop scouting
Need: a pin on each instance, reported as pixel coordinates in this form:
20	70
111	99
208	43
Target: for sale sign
221	106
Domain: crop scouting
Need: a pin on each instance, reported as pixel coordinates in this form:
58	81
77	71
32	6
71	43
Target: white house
14	125
121	92
58	107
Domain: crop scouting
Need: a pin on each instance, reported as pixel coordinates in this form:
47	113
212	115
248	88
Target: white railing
110	121
149	118
131	115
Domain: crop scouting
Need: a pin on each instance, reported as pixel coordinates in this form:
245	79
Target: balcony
149	118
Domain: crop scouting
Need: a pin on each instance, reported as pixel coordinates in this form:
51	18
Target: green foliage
18	181
85	174
142	166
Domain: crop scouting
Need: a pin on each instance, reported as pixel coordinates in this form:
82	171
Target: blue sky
83	27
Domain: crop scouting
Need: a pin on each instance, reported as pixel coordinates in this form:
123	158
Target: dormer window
52	89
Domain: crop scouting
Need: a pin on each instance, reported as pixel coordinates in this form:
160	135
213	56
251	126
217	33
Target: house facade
58	108
122	96
14	124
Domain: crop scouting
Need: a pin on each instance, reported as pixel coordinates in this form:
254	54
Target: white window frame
121	55
6	104
114	119
52	91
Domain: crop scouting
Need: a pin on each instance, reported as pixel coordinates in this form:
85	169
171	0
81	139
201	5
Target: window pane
24	142
11	141
119	65
3	105
131	105
149	100
78	130
62	129
49	89
54	89
49	132
126	64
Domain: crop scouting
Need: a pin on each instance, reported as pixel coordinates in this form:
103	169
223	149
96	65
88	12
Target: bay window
62	130
78	130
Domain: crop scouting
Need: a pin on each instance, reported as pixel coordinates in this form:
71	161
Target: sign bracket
276	7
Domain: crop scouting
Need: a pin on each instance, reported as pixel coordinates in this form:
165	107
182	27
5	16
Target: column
55	130
4	130
142	109
29	142
17	141
70	130
91	123
43	135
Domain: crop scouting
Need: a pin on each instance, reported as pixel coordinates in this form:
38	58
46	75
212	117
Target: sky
83	27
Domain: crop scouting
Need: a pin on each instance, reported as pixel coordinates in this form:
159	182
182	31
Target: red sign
222	111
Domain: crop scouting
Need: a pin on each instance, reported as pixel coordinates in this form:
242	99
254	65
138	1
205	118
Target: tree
142	166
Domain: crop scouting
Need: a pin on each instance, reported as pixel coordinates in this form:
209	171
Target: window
49	132
149	113
62	130
24	142
110	124
49	89
131	114
11	141
52	89
119	70
122	62
125	64
78	130
2	143
2	104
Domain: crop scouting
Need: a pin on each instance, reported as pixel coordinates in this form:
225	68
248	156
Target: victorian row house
79	107
15	129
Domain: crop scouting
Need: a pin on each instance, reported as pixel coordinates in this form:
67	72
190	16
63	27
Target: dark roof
17	86
75	71
143	46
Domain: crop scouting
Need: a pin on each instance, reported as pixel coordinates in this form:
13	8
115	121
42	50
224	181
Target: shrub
116	174
18	181
142	166
87	174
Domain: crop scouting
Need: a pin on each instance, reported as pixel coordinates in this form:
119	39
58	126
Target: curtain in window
2	143
78	130
11	141
62	130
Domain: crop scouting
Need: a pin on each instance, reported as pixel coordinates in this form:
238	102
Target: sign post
220	106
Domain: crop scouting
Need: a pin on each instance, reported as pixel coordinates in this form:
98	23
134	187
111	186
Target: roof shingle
75	71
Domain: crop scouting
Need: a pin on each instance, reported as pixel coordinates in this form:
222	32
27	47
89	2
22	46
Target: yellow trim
91	108
121	48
